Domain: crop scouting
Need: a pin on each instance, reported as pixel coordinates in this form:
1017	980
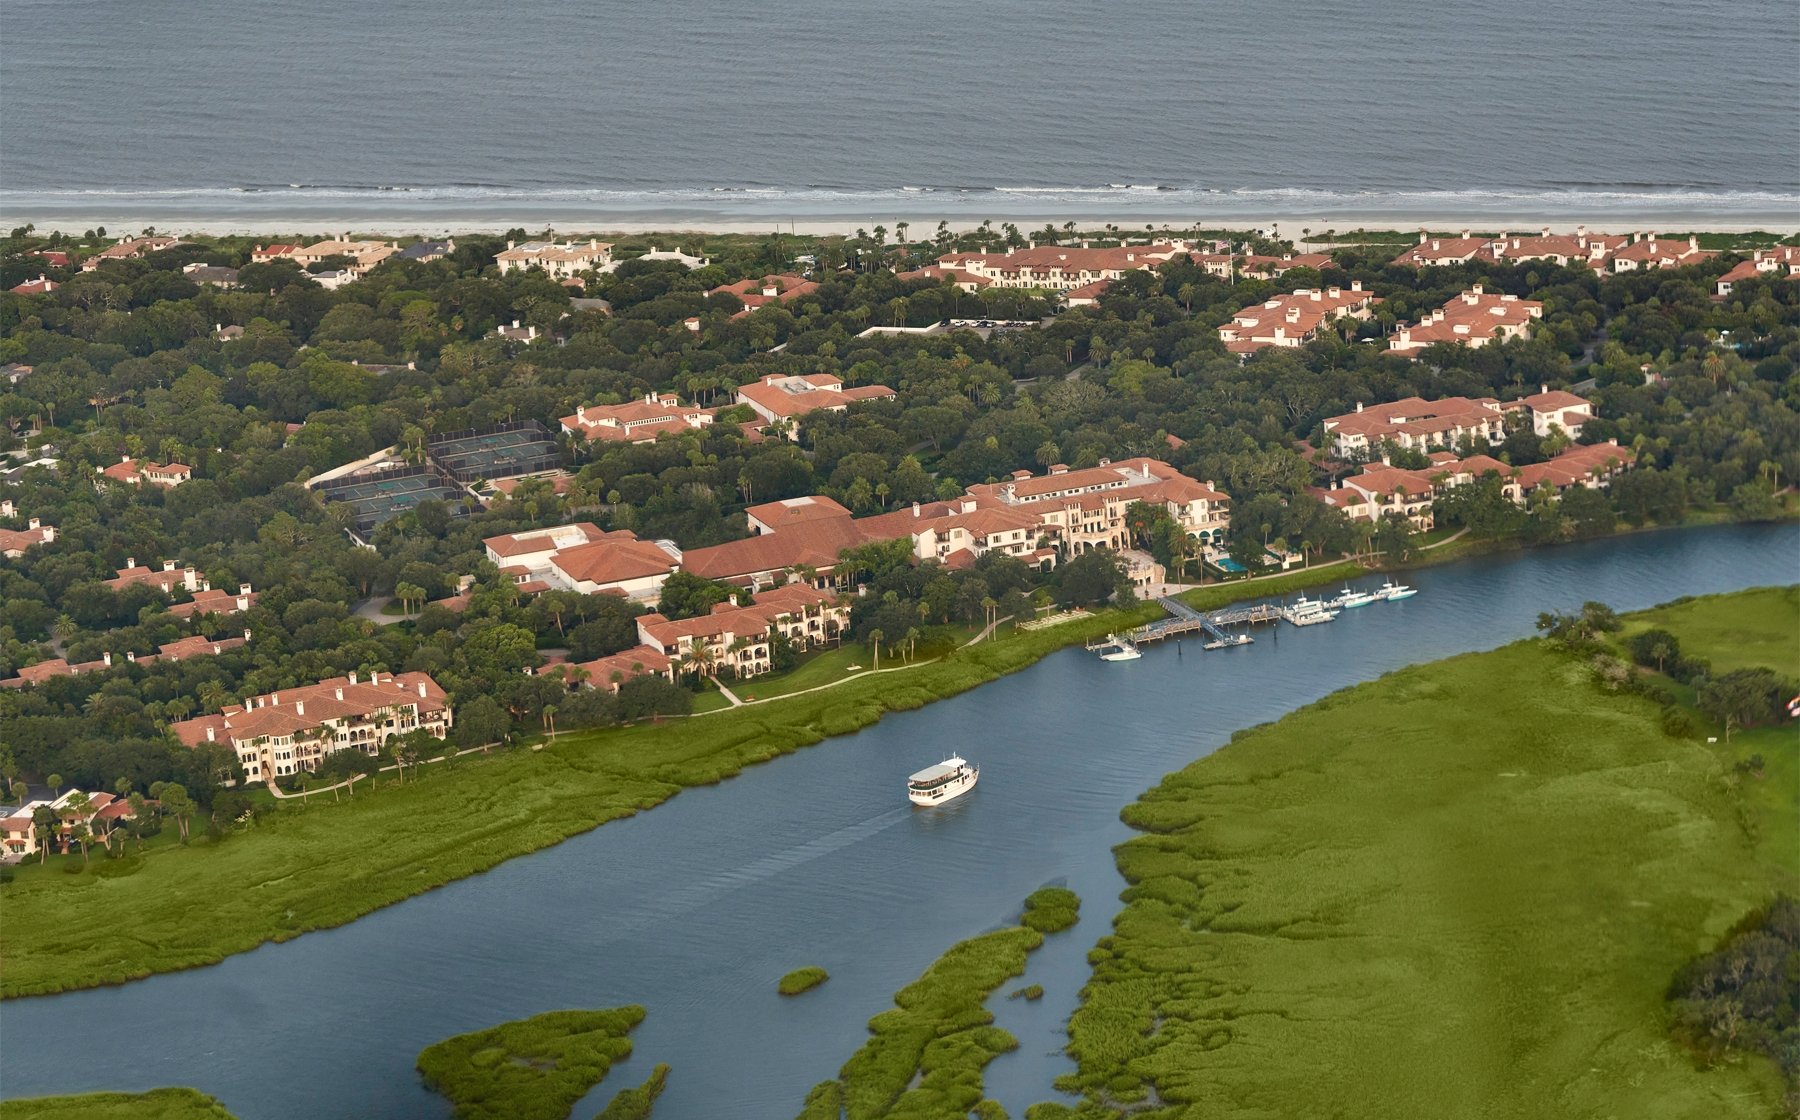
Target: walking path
347	783
371	610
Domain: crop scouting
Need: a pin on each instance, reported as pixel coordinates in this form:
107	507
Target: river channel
696	908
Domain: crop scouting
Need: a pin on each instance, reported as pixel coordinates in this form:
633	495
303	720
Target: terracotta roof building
584	558
1783	261
738	639
263	254
14	542
1553	409
1416	424
127	249
637	421
1057	268
1381	489
1473	319
291	730
141	471
782	397
778	288
41	286
364	255
1292	319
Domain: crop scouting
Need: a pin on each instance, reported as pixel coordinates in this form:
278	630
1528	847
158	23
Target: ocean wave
1171	202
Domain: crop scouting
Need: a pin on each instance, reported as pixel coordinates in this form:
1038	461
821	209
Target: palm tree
550	720
44	821
78	808
55	782
875	637
912	639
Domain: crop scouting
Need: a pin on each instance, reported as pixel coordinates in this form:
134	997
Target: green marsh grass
1459	890
637	1102
925	1056
157	1104
529	1069
802	980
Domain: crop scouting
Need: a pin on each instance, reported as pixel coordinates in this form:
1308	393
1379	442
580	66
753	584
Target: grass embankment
529	1069
1459	890
802	980
320	864
926	1056
157	1104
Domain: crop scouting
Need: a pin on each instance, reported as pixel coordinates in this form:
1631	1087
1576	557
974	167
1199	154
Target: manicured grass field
926	1056
802	980
320	864
157	1104
1429	896
530	1069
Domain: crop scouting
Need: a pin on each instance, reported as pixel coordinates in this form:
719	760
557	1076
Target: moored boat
1119	649
1391	591
1352	598
935	785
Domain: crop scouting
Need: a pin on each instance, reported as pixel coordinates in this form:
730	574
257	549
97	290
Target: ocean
448	112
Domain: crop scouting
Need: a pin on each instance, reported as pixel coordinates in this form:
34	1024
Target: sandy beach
399	217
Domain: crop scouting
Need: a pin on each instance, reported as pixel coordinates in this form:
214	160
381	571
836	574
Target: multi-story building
15	542
780	398
179	650
1381	489
140	472
777	288
637	421
1055	268
363	255
1290	320
1473	319
738	640
1553	410
1783	261
1085	509
128	249
285	732
1415	424
584	558
168	579
559	261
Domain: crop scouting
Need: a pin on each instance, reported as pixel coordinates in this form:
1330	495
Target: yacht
935	785
1308	612
1119	649
1391	591
1352	598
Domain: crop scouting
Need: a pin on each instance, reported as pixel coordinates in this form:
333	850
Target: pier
1184	619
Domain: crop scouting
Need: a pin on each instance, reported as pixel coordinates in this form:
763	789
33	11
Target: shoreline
389	221
617	771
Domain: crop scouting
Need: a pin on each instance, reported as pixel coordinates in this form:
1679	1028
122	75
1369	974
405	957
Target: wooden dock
1184	619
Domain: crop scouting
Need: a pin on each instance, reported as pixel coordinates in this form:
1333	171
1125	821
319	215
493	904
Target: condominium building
584	558
738	639
285	732
1291	320
1056	268
1473	319
780	398
637	421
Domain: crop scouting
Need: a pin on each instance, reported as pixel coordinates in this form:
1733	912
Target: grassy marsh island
926	1056
1461	889
637	1102
803	980
157	1104
530	1069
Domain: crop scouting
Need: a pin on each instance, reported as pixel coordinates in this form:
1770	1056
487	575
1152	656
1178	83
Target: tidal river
696	908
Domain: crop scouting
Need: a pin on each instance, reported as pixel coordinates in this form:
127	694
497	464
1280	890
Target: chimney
1359	406
421	690
130	656
131	561
243	589
246	635
299	707
1434	246
340	693
915	509
509	244
106	659
1465	235
1693	242
581	412
32	524
1422	236
1356	285
275	699
168	565
210	736
1543	388
1293	314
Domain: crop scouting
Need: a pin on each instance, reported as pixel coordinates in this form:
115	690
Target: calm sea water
696	908
447	110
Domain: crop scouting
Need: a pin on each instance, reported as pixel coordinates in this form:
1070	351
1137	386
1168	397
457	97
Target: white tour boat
1391	591
935	785
1308	612
1119	649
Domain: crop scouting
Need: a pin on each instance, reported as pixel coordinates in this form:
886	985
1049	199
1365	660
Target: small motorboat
1229	643
1119	649
1352	598
1391	591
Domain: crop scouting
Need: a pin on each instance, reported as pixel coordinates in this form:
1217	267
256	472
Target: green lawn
157	1104
826	667
1428	896
317	864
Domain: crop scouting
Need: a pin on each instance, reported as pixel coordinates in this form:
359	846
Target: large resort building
1291	320
1052	268
1473	319
1380	489
781	399
1602	252
636	421
586	559
285	732
1416	424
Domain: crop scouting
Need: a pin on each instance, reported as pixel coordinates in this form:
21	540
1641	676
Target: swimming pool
1227	564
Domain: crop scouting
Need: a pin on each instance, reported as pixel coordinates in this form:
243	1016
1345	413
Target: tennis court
380	498
504	451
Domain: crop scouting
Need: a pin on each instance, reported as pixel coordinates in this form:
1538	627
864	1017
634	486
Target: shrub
1051	910
529	1069
1677	724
